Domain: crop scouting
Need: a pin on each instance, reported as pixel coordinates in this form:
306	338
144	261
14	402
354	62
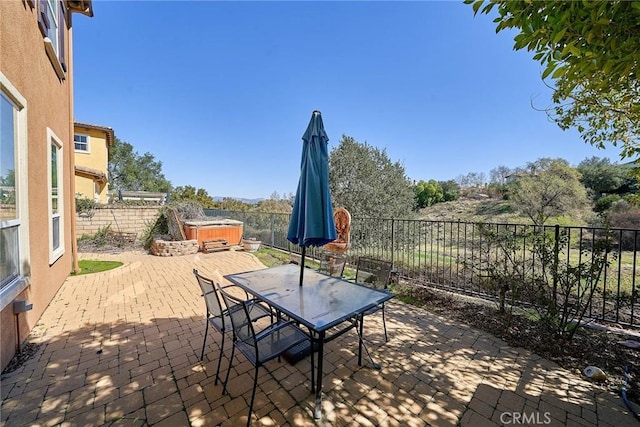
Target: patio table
320	303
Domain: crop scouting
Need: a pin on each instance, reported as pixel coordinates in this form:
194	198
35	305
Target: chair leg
204	343
219	359
226	379
313	375
253	394
359	331
384	325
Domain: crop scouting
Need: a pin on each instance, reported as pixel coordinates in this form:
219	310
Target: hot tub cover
213	222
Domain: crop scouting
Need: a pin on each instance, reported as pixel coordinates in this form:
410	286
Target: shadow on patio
122	348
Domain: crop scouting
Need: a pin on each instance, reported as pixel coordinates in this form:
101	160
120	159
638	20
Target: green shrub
85	206
605	202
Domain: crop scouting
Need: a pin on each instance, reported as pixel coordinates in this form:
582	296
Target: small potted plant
251	244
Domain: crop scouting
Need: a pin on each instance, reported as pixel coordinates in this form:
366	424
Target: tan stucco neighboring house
37	204
91	147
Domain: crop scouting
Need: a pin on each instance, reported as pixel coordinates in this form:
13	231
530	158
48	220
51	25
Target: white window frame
53	140
54	27
88	145
51	20
10	291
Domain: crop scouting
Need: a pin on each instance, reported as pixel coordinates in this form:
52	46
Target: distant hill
242	199
489	210
468	210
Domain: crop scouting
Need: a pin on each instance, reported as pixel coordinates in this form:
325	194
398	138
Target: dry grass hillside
489	210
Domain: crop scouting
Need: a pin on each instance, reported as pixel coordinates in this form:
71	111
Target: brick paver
122	348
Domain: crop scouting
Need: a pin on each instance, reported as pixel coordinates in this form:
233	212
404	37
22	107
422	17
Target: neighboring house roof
94	174
81	6
107	130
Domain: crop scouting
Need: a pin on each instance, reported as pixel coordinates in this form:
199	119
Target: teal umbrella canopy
312	217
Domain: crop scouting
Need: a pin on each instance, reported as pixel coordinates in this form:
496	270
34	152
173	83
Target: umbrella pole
304	249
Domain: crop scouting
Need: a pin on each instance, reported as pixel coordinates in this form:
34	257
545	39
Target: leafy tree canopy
9	179
276	204
550	188
231	204
450	190
428	193
131	171
590	50
367	183
603	177
189	193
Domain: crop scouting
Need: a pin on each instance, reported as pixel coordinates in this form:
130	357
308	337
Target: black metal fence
460	255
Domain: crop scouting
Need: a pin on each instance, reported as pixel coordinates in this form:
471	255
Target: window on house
56	233
14	238
52	24
9	215
81	143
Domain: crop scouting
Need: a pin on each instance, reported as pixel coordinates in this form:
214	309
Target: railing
458	255
146	196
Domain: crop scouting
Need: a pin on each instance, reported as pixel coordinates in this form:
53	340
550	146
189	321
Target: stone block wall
124	219
174	248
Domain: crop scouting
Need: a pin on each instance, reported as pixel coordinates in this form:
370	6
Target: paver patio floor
122	348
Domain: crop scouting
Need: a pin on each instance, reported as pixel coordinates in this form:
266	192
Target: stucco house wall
95	159
30	79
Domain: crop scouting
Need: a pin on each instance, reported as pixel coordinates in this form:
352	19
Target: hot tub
214	233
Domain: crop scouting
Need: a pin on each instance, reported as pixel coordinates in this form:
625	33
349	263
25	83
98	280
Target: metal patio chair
259	346
374	273
218	314
332	264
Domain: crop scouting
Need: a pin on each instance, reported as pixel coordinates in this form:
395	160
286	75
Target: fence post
556	261
393	239
273	230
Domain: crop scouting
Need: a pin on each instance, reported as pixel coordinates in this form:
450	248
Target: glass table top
320	303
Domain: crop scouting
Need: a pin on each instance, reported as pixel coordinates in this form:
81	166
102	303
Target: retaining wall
127	219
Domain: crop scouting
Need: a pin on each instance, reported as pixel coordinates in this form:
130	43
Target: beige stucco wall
24	62
133	219
85	188
97	159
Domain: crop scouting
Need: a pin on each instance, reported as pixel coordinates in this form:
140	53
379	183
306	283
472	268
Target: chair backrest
240	318
211	296
372	272
332	264
342	220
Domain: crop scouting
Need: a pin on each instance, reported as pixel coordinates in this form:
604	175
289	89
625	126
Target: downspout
72	158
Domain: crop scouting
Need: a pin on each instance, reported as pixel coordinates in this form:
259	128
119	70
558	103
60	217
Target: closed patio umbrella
312	217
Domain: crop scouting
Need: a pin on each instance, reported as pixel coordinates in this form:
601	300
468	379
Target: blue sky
221	92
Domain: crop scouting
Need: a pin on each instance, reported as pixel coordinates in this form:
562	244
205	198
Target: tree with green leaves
428	193
231	204
367	183
275	204
190	193
603	177
131	171
450	190
590	51
551	188
8	187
